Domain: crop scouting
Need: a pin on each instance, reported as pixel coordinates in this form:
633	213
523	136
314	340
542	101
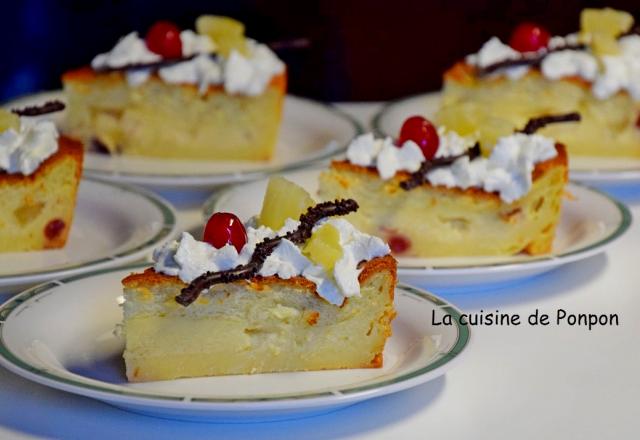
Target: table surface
515	382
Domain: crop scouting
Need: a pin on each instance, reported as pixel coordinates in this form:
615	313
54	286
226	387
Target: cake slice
314	295
595	72
217	96
456	203
39	177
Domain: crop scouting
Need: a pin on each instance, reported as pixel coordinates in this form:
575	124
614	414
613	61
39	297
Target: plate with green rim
595	170
590	222
83	356
310	132
105	232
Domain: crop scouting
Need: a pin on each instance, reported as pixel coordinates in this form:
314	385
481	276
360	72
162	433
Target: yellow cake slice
595	73
440	218
38	189
310	295
261	326
222	101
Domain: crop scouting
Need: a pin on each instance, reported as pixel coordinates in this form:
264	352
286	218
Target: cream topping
619	72
367	151
251	75
23	151
242	75
507	171
189	258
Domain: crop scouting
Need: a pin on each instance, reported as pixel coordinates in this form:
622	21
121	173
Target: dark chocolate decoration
152	66
526	60
263	249
419	177
536	124
37	110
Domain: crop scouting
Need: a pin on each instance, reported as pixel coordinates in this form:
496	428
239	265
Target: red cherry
164	39
529	37
423	133
225	228
399	244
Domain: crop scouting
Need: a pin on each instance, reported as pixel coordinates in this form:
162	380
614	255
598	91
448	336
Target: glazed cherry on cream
529	37
225	228
164	39
421	131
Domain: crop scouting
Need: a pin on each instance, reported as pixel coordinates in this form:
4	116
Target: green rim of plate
15	304
168	219
250	174
625	222
211	205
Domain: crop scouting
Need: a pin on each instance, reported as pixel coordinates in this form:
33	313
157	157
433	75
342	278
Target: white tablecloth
515	383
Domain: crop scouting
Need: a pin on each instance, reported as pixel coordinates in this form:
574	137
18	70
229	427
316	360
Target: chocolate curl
535	124
419	177
307	221
37	110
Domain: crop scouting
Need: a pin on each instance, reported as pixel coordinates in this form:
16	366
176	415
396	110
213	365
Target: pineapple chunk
283	199
603	44
227	33
605	21
323	247
604	26
9	120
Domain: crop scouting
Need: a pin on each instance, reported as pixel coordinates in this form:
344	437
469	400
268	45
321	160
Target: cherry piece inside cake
296	289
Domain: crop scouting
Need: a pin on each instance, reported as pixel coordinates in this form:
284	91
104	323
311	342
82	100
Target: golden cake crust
67	148
463	73
150	277
560	160
87	75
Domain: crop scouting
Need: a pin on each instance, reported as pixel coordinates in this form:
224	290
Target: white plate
588	224
83	356
106	232
311	131
593	170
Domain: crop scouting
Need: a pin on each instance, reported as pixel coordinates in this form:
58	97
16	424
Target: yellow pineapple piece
283	199
227	33
603	44
9	120
605	21
323	247
604	26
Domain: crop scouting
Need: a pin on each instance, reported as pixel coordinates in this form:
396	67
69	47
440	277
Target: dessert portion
212	94
432	194
39	176
296	289
595	72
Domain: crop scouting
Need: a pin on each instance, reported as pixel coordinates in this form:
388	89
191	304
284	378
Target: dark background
360	50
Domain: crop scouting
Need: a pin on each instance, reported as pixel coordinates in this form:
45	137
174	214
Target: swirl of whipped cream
245	75
620	72
24	150
189	258
507	171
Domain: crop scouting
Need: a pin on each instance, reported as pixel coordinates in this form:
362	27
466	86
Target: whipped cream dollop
189	258
507	171
609	74
245	75
367	151
22	151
